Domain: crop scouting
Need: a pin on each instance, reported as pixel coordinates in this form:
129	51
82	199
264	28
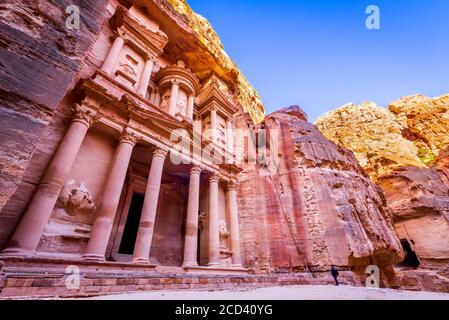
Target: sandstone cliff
312	206
411	132
405	150
40	59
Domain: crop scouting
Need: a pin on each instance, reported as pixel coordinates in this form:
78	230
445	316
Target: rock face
313	206
375	136
425	122
40	59
411	132
419	199
405	149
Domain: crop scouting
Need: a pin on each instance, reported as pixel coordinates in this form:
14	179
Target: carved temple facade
137	152
117	189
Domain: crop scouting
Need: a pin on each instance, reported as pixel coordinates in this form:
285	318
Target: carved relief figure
75	199
165	100
224	233
202	220
182	103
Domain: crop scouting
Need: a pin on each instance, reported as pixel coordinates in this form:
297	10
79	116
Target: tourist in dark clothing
335	275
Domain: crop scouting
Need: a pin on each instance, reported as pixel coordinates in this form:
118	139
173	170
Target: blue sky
319	54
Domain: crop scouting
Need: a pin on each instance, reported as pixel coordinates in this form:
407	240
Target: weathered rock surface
441	163
406	151
411	132
419	199
375	136
425	122
314	206
39	62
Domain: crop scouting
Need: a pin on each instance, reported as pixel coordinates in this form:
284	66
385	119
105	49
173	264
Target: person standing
335	275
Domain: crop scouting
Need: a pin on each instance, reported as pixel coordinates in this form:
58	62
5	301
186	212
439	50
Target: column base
16	253
141	260
214	264
93	258
190	264
237	266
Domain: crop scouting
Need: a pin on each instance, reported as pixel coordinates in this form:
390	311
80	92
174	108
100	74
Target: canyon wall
40	59
311	205
405	150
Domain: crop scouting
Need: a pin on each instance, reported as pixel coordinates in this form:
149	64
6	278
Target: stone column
191	237
213	125
214	233
174	97
148	217
234	224
157	99
113	54
190	106
101	230
146	76
28	233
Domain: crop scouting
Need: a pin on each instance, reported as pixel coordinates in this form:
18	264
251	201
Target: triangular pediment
214	91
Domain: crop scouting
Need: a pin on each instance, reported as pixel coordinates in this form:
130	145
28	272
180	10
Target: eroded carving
75	198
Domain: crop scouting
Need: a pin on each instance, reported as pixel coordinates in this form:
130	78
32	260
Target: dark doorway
411	260
132	224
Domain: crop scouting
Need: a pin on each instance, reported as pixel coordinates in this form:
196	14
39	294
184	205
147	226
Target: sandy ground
284	293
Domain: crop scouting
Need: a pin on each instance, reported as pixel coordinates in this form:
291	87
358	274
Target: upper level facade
144	83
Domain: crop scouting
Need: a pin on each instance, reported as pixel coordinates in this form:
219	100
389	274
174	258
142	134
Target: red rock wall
40	62
419	200
315	208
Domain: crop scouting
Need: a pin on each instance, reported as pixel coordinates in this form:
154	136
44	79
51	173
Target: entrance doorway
132	225
411	260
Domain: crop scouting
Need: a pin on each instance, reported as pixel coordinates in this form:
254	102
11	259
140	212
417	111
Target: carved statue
75	199
224	233
202	220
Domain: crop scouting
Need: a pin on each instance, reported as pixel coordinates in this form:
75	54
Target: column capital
175	82
233	185
160	153
214	177
195	170
128	137
81	115
150	57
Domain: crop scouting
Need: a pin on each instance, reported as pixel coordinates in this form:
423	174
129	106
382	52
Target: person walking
335	275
